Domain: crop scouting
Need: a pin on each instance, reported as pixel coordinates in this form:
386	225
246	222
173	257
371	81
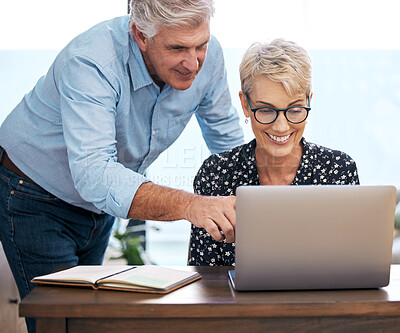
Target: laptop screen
313	237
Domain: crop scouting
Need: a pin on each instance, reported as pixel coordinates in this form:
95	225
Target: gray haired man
74	150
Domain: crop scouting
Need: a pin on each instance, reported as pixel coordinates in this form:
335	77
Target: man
75	149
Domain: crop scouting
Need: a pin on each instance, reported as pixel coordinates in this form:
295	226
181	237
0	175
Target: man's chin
182	84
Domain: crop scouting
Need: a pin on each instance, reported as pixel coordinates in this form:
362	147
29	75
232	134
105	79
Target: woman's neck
278	170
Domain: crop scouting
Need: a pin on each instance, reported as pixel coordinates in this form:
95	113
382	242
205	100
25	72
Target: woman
275	96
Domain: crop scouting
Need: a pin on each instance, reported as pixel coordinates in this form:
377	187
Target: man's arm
217	117
155	202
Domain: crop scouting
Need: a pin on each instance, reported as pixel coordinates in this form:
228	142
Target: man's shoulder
215	56
214	43
103	43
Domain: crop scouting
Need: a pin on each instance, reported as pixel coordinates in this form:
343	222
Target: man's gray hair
150	15
280	61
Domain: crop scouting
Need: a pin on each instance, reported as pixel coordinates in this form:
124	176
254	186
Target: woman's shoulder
322	153
230	157
221	173
324	165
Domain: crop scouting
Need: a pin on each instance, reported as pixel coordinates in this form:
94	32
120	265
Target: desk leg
53	325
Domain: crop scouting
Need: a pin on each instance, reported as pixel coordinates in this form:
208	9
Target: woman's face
280	138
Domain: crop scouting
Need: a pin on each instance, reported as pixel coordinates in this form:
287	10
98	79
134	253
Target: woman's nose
281	124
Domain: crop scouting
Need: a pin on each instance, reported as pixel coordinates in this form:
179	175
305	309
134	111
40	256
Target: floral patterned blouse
222	173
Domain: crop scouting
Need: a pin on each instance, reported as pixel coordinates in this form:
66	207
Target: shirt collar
137	68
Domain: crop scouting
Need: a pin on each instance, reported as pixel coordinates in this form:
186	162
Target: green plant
131	248
128	241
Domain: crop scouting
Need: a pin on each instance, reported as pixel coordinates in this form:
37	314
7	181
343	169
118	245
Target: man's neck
161	84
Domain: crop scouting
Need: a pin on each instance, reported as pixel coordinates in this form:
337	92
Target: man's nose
191	61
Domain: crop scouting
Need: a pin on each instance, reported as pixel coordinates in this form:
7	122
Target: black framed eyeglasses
294	114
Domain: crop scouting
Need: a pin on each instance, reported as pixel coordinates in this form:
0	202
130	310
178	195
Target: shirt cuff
121	193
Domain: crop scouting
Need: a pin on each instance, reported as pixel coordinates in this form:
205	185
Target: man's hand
213	212
159	203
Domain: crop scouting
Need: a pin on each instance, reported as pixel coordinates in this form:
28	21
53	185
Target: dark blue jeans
39	232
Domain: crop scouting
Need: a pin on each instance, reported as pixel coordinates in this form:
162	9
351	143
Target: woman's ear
245	105
140	38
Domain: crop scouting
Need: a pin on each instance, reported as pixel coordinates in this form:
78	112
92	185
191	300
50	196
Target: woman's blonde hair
280	61
150	15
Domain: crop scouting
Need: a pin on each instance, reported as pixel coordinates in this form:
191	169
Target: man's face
176	54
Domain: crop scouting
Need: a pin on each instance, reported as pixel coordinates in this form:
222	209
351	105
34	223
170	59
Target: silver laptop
313	237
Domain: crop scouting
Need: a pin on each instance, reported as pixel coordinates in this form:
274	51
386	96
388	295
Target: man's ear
245	105
140	38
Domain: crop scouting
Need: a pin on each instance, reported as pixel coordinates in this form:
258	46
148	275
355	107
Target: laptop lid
313	237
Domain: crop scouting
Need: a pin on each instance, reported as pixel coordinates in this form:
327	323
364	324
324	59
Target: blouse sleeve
202	181
203	249
344	171
352	173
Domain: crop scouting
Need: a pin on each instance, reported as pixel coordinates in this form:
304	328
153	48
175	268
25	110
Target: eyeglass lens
294	115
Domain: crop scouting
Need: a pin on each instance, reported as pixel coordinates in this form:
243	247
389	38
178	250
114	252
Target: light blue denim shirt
93	124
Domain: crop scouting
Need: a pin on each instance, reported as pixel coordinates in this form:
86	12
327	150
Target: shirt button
154	132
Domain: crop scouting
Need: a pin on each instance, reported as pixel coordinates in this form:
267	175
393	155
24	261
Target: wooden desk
211	304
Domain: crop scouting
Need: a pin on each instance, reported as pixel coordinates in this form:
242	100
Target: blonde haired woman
275	95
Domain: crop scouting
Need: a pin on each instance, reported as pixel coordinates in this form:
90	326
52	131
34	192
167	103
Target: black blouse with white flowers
222	173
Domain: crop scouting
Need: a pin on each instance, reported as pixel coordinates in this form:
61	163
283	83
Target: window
356	83
356	79
33	32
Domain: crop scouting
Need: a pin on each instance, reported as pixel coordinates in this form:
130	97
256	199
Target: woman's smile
279	139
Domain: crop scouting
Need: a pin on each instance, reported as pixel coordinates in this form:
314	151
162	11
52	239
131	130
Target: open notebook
313	237
147	278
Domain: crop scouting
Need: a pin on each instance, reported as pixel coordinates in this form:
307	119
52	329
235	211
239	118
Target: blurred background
355	52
